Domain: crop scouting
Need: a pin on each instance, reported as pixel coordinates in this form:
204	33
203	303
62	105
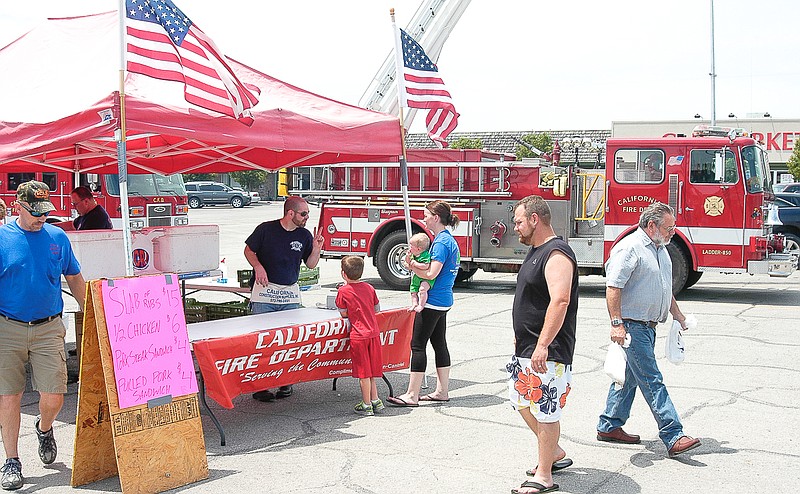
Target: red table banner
305	352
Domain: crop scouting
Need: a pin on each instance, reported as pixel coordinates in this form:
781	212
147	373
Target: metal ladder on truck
430	27
451	180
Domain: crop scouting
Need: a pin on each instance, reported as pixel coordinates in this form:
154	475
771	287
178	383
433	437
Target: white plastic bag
617	362
674	349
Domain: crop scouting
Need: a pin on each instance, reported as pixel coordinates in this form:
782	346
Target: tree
466	143
793	165
542	142
194	177
251	179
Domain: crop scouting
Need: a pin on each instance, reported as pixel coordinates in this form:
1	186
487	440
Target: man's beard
660	240
526	239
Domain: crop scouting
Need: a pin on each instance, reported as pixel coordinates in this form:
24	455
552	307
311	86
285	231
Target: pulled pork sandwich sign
305	352
149	344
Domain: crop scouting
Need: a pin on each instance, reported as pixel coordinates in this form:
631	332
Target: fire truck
717	180
153	200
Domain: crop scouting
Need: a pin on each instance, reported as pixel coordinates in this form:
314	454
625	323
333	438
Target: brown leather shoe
682	445
618	436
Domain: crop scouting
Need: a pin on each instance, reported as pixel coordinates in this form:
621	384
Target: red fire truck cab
153	200
716	180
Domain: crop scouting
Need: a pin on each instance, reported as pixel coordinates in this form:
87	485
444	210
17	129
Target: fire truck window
639	166
50	180
14	179
753	169
708	167
92	181
141	184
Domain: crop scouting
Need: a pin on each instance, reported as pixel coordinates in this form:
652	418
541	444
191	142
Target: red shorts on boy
367	357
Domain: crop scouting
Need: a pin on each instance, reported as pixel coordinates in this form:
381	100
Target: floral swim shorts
545	394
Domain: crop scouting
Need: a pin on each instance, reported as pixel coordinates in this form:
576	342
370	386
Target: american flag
421	87
164	43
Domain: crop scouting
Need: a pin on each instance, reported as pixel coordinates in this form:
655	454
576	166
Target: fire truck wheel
681	266
694	277
391	252
792	245
465	274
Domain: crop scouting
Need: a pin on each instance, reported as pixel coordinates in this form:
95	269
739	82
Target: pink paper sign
149	343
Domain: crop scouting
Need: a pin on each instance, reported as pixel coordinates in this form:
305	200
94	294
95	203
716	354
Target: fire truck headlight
137	224
181	221
181	209
331	229
136	211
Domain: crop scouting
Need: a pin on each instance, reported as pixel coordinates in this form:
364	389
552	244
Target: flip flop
557	465
428	397
535	485
399	402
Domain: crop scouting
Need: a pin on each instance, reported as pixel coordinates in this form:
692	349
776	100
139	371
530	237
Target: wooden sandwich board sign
138	412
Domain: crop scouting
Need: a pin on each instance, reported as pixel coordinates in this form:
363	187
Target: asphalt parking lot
737	391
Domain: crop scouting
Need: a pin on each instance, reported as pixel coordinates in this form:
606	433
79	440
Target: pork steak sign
149	343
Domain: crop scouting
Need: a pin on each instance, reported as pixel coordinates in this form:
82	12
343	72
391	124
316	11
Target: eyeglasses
35	214
303	214
669	228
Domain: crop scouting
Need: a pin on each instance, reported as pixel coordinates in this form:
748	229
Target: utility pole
713	74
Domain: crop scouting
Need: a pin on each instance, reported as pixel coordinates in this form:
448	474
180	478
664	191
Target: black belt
649	324
35	322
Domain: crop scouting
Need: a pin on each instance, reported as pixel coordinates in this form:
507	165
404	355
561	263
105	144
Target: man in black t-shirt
544	318
91	216
276	249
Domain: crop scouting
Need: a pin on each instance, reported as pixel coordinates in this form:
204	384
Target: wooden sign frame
152	449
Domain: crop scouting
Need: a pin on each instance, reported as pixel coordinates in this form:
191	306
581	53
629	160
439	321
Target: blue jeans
642	371
263	307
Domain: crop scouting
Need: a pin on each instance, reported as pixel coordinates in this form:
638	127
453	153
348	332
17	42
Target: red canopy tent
59	107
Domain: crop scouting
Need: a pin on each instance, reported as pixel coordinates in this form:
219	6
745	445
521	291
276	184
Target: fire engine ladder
453	181
430	27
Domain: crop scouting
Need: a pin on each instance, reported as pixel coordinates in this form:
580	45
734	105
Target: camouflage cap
37	195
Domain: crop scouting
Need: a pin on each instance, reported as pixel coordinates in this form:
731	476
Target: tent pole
401	91
122	163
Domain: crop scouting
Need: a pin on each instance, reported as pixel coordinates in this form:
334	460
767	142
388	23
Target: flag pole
119	136
400	93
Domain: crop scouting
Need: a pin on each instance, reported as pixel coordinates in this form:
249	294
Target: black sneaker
47	444
284	391
12	475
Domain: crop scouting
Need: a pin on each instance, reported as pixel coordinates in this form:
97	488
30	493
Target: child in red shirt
358	302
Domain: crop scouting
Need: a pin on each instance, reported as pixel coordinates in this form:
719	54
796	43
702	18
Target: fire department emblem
714	206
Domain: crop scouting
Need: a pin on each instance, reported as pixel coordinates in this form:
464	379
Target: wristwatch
617	322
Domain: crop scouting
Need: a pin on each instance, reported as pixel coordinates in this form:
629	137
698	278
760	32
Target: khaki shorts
43	346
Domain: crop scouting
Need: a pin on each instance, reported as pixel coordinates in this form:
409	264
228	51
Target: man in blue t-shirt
33	256
276	249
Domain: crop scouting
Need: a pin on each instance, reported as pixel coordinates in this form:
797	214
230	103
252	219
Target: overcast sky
515	64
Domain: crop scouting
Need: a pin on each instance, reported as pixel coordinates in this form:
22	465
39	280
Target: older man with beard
638	296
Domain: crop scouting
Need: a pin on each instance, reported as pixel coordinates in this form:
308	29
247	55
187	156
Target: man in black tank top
544	317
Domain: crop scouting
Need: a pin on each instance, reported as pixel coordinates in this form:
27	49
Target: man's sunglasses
303	214
35	214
